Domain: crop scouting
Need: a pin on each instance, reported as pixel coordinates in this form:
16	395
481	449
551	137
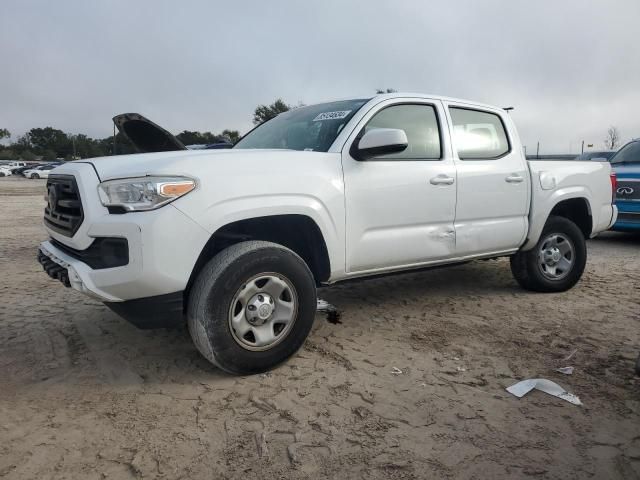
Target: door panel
399	211
493	194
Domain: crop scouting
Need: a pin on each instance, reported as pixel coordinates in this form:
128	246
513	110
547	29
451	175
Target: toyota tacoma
234	242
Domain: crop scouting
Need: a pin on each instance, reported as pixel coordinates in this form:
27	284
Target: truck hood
190	162
145	135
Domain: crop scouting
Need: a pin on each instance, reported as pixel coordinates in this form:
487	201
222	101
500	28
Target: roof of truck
435	97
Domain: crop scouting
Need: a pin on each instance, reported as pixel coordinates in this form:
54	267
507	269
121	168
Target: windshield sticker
332	115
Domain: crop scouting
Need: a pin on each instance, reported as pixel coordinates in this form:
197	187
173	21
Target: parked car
21	170
5	171
626	164
235	241
601	156
41	171
14	165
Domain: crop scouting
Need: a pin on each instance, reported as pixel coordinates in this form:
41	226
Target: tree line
50	143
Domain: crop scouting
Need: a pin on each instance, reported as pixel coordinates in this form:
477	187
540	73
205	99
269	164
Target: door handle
442	180
514	178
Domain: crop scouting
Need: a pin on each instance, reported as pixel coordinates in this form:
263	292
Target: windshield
630	153
312	128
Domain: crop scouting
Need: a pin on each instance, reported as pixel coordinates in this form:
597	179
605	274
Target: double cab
234	242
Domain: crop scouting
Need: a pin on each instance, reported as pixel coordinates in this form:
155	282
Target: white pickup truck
235	242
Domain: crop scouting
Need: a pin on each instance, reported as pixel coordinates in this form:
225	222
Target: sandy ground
411	384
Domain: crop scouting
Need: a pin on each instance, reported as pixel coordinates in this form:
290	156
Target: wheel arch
298	232
576	208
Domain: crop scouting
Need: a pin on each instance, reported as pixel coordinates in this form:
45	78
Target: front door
400	207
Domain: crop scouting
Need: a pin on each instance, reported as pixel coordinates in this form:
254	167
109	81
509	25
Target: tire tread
215	268
524	264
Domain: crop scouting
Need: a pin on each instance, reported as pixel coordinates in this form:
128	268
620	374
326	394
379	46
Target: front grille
63	213
628	190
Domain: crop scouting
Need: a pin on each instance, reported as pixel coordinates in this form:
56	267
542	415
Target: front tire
557	261
251	307
35	176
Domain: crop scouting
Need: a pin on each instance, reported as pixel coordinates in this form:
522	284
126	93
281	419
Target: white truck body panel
376	197
374	217
564	182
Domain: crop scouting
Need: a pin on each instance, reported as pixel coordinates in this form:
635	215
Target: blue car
626	164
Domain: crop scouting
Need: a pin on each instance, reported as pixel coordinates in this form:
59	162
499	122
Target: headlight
143	193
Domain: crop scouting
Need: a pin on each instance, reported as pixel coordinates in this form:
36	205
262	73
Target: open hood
145	135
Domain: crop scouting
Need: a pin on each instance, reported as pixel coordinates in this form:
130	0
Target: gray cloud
570	68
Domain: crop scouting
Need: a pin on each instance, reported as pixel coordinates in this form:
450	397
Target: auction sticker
332	115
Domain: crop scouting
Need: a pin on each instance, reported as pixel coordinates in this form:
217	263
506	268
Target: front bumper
164	245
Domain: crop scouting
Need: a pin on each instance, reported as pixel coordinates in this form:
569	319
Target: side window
478	135
419	122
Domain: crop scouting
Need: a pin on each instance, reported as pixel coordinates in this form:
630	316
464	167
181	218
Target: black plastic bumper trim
161	311
55	271
104	252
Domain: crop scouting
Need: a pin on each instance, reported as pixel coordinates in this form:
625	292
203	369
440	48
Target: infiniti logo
625	190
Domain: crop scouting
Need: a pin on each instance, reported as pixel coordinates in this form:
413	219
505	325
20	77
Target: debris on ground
520	389
565	370
396	371
568	357
333	315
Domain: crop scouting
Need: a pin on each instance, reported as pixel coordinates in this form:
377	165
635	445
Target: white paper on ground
565	370
520	389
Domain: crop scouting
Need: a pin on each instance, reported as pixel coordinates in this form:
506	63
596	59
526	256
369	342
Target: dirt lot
411	384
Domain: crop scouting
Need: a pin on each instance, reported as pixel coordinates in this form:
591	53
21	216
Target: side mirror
379	141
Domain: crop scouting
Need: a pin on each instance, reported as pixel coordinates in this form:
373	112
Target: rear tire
557	261
251	307
2	174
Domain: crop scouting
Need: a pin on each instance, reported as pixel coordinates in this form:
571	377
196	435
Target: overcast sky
570	68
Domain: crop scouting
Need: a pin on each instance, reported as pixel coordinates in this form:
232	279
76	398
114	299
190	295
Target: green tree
232	135
263	113
49	154
196	138
123	145
388	90
4	133
52	139
7	154
28	155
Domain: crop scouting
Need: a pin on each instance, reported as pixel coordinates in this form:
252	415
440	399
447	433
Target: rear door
493	181
400	207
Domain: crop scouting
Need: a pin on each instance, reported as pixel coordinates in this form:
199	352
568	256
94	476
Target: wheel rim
263	311
556	256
